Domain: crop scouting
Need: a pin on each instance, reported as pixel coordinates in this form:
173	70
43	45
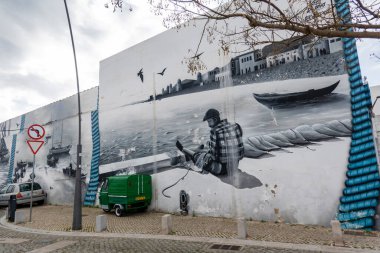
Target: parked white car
22	192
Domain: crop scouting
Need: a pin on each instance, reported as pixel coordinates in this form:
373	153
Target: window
105	185
338	39
36	186
25	187
10	189
332	41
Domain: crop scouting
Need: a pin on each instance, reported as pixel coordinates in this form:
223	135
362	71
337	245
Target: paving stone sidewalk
59	218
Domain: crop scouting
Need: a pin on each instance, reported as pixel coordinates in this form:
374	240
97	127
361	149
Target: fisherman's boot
189	154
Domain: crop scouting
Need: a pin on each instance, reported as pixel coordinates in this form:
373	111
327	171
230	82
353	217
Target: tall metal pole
77	213
31	190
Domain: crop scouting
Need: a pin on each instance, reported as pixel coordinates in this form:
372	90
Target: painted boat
60	150
274	99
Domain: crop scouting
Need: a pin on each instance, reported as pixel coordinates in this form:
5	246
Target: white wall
305	183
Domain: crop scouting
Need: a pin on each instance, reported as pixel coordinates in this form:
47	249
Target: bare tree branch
361	5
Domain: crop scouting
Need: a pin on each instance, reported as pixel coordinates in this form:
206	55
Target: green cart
124	193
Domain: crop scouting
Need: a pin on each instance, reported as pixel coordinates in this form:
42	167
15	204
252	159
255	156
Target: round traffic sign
36	132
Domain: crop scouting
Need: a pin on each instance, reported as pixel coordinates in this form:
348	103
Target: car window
36	186
10	189
25	187
2	191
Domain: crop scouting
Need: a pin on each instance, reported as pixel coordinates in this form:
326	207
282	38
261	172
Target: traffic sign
35	145
36	131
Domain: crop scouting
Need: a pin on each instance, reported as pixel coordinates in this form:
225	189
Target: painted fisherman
225	147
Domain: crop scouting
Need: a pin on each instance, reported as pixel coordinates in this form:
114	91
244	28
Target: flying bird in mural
140	74
197	56
162	72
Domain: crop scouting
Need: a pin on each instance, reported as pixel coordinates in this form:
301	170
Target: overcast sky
36	60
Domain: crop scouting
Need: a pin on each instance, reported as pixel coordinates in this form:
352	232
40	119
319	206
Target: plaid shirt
226	142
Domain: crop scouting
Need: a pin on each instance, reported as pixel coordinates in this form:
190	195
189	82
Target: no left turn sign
36	132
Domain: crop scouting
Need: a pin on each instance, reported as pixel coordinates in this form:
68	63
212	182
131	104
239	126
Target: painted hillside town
276	61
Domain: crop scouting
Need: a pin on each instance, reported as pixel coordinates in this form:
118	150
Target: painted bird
162	72
197	56
140	74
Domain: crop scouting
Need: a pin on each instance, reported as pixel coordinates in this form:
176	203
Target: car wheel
106	210
118	211
41	202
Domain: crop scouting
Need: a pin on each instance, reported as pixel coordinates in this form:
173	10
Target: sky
36	58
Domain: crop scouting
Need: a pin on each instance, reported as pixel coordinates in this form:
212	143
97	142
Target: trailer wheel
118	211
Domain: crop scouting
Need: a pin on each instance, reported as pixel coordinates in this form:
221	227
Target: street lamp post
77	213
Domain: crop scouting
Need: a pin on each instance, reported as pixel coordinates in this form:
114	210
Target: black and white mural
55	164
264	129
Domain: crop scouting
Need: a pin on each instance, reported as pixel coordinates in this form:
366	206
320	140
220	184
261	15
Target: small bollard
242	228
337	233
279	219
377	222
19	217
101	223
167	224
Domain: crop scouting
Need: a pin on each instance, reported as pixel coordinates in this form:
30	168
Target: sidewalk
59	218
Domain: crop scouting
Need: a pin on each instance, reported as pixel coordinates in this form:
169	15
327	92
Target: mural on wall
267	129
55	161
284	124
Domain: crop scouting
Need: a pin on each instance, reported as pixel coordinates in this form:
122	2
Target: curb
265	244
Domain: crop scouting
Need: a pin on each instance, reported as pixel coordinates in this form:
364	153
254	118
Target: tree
306	17
269	21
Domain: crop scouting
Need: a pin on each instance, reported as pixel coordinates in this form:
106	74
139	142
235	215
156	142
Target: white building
252	61
285	57
224	74
246	63
335	45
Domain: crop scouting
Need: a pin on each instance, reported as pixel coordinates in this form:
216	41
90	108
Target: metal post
77	212
31	191
154	135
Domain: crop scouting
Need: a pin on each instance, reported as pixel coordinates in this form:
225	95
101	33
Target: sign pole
36	133
31	194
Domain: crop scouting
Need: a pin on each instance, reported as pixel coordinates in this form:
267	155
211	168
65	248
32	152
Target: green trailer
124	193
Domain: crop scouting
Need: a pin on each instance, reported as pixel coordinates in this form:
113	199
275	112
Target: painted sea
144	129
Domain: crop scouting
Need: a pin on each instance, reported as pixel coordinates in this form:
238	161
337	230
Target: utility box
124	193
